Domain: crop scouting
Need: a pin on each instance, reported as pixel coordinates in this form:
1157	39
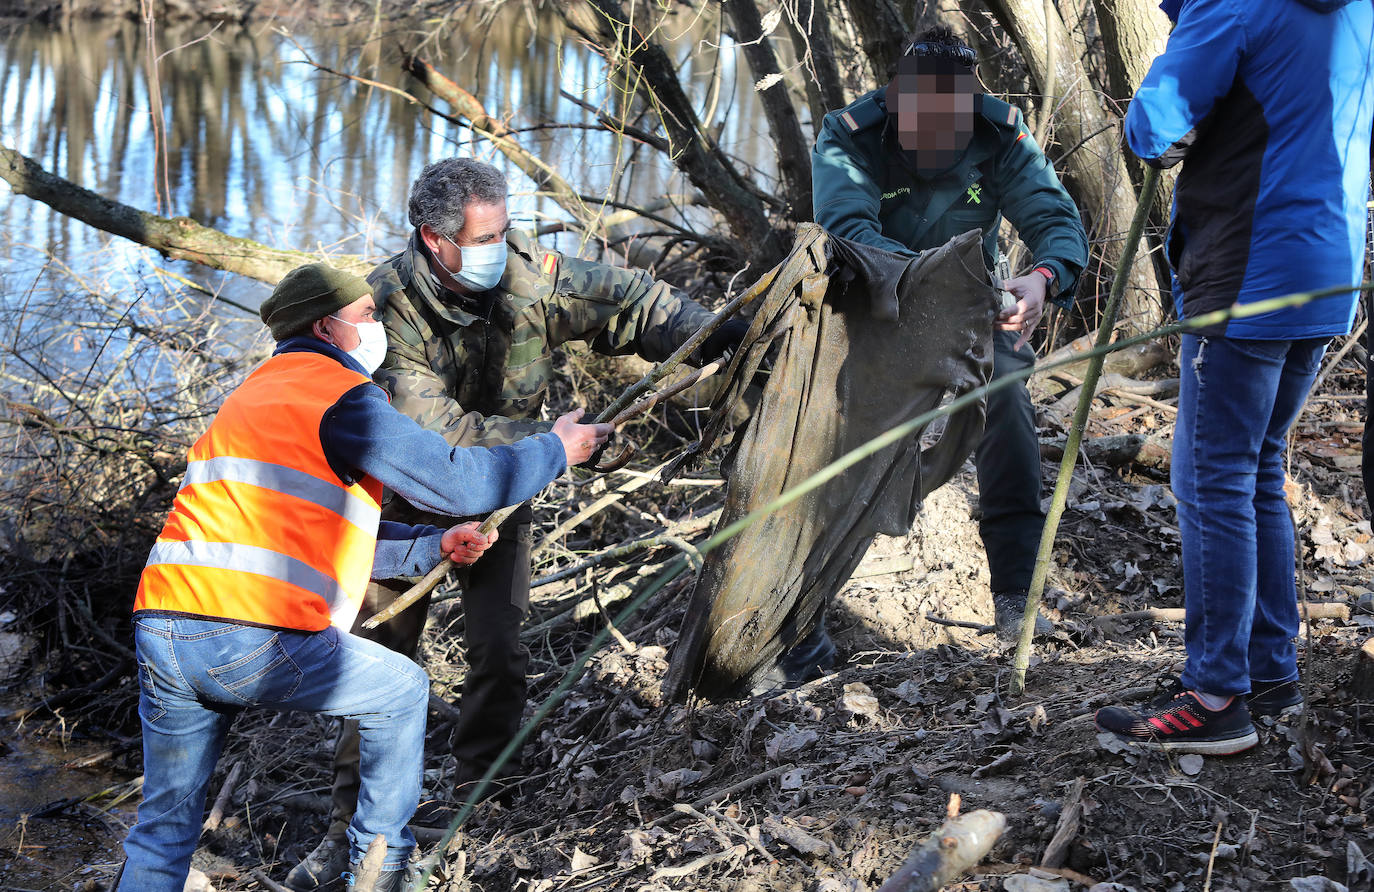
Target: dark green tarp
865	341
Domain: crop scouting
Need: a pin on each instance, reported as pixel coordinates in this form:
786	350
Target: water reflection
260	143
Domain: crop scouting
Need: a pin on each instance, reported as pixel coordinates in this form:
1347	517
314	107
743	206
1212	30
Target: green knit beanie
308	293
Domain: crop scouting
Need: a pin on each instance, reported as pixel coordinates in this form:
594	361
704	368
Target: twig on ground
268	882
222	800
697	864
624	642
980	628
1070	819
709	798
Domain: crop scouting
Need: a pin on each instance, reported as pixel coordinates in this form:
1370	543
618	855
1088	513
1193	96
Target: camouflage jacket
476	368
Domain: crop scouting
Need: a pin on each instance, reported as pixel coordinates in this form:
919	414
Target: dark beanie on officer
308	293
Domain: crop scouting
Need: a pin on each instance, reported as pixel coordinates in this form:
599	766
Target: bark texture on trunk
793	149
814	45
1095	169
694	152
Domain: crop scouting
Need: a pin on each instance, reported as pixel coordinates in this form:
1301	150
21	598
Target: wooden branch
1070	819
1308	610
960	844
583	607
222	800
709	798
693	556
980	628
1021	660
370	870
1131	362
267	882
470	109
626	644
672	390
696	864
596	507
693	150
496	518
177	238
1117	450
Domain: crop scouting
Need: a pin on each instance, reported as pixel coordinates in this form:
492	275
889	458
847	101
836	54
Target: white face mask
483	265
371	349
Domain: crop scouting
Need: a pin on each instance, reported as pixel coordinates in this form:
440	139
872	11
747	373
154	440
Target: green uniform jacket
865	189
476	368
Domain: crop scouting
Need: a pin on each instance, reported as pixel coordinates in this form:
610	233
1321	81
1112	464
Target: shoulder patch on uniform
550	263
862	114
1003	114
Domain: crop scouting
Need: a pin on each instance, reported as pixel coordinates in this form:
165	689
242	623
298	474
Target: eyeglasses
962	54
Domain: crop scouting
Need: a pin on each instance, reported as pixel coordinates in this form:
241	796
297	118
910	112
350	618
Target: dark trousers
495	596
1008	465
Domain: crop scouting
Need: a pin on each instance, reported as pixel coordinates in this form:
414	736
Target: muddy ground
828	787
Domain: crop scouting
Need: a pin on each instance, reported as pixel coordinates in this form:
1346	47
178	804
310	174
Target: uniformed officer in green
915	163
473	311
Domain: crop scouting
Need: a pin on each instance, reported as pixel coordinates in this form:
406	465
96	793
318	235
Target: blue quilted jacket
1271	103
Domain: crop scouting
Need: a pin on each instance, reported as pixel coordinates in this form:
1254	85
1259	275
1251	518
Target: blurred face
932	108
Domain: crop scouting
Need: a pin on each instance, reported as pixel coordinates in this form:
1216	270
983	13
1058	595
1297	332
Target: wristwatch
1051	283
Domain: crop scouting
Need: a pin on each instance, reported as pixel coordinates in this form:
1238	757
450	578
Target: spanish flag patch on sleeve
550	263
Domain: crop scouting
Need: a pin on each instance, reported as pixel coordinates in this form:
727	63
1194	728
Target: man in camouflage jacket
473	312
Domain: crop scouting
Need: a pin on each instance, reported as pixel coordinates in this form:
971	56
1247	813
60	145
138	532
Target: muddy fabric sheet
865	341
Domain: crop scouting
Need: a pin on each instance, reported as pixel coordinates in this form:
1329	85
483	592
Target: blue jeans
1237	399
196	675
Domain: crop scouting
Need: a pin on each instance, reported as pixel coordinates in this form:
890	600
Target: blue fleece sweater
363	435
1270	102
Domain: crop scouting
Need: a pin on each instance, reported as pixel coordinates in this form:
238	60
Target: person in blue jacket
1271	103
907	167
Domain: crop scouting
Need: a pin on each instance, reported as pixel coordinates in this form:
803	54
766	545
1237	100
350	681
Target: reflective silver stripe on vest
251	559
280	478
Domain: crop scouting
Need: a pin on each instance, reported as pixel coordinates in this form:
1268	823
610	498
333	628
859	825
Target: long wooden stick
1080	421
618	412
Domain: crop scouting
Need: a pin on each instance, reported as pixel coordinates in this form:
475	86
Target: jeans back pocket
267	676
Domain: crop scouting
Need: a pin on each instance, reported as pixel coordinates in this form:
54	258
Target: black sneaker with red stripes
1182	725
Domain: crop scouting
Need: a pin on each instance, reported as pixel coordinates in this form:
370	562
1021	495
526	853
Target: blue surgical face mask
371	349
483	265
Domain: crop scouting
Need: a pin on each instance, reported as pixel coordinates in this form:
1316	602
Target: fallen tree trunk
177	238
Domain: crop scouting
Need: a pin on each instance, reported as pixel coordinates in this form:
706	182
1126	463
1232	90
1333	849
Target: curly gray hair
442	192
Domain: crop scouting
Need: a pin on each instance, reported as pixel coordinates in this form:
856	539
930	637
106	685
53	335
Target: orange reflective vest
262	529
